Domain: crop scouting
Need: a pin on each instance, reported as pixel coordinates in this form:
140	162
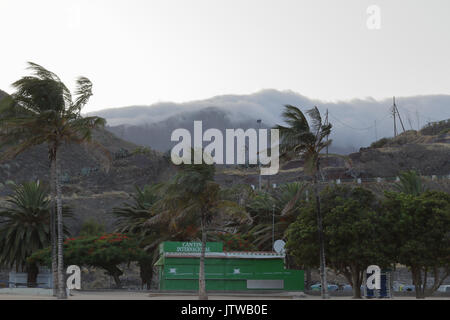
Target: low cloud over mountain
357	123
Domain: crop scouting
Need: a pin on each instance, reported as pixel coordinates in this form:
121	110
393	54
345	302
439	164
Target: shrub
236	242
105	251
380	143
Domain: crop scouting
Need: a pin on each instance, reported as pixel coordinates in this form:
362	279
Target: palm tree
42	111
131	218
193	198
301	139
410	183
269	222
25	227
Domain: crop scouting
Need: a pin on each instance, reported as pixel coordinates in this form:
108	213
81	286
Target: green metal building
224	271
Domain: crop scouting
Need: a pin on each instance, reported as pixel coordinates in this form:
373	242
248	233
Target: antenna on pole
394	113
398	113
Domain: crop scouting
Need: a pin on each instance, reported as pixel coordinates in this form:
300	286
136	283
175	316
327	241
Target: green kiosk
178	266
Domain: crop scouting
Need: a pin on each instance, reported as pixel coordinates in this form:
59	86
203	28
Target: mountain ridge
93	191
357	122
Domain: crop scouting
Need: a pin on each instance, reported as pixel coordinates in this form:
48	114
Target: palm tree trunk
417	278
356	283
115	272
201	275
146	273
61	285
323	274
308	279
53	236
32	271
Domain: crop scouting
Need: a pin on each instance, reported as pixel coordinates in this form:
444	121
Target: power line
360	129
376	122
420	114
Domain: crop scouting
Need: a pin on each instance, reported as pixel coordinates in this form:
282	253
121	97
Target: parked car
444	288
408	288
397	286
349	288
318	286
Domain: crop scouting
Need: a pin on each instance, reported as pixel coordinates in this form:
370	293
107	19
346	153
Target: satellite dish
278	246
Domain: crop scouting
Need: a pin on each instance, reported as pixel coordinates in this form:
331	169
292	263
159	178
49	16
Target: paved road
155	296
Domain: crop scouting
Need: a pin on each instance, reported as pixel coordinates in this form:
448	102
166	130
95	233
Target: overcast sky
143	51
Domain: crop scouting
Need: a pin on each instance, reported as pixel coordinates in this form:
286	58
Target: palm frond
24	225
83	92
294	200
316	120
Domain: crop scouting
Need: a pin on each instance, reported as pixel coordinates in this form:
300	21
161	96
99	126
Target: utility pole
398	113
395	112
376	132
259	162
326	123
410	122
395	120
273	226
418	120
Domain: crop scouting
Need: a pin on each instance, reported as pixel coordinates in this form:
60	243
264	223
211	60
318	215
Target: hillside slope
425	153
89	186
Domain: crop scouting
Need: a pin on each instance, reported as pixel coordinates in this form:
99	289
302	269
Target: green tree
107	251
42	111
25	227
351	230
131	218
269	215
410	183
234	241
419	236
304	140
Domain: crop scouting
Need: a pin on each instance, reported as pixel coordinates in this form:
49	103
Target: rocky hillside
90	186
421	151
427	154
94	180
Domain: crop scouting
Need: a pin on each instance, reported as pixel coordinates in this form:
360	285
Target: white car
444	288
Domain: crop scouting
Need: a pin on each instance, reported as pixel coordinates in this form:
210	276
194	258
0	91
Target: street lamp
259	162
273	225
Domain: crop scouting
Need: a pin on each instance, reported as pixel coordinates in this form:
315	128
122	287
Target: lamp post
259	162
273	226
